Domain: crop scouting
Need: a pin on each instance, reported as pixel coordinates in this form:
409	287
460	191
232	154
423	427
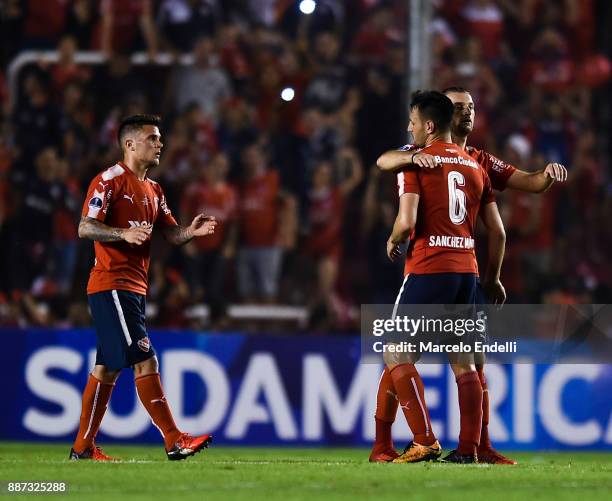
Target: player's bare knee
392	358
102	373
480	359
389	359
462	368
146	367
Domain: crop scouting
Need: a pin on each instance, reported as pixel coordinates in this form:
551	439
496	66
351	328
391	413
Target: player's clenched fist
137	235
203	225
556	171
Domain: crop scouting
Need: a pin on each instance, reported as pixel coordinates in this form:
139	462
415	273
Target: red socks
470	409
152	397
485	441
411	393
386	409
95	401
404	384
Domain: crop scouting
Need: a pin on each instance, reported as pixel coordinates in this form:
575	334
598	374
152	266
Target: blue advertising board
287	390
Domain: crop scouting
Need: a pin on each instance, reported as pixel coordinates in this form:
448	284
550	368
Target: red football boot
383	455
94	453
491	456
187	446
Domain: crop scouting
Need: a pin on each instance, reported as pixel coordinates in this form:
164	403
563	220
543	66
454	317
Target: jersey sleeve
99	198
408	182
499	171
487	190
164	216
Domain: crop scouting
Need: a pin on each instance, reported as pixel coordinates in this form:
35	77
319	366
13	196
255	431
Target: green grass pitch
288	473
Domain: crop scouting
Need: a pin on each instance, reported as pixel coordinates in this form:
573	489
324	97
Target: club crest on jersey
95	202
144	344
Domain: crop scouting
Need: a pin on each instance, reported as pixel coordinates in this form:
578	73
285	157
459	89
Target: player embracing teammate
441	202
502	175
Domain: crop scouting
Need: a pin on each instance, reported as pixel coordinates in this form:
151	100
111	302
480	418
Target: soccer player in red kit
438	211
502	175
121	209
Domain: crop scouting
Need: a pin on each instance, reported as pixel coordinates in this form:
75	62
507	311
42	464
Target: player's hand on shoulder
138	234
425	160
495	292
203	225
556	171
393	250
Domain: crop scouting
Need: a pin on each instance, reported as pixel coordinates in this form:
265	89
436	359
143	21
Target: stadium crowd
275	129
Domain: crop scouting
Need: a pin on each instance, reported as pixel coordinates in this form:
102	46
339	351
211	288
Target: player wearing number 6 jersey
438	212
122	208
502	175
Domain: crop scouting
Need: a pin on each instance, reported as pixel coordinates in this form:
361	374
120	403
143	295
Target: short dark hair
461	90
434	106
135	122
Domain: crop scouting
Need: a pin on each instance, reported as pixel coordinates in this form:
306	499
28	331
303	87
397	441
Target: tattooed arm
178	235
95	230
200	226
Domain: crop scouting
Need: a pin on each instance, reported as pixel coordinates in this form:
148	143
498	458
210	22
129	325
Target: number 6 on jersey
456	197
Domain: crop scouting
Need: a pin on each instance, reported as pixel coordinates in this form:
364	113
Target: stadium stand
252	90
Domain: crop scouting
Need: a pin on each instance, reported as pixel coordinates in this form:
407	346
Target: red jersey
450	199
487	25
45	18
259	210
523	206
325	215
556	76
126	16
119	199
219	201
498	171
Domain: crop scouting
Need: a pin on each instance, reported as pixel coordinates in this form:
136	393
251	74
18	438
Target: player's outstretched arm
405	222
496	236
537	182
96	230
201	226
395	160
